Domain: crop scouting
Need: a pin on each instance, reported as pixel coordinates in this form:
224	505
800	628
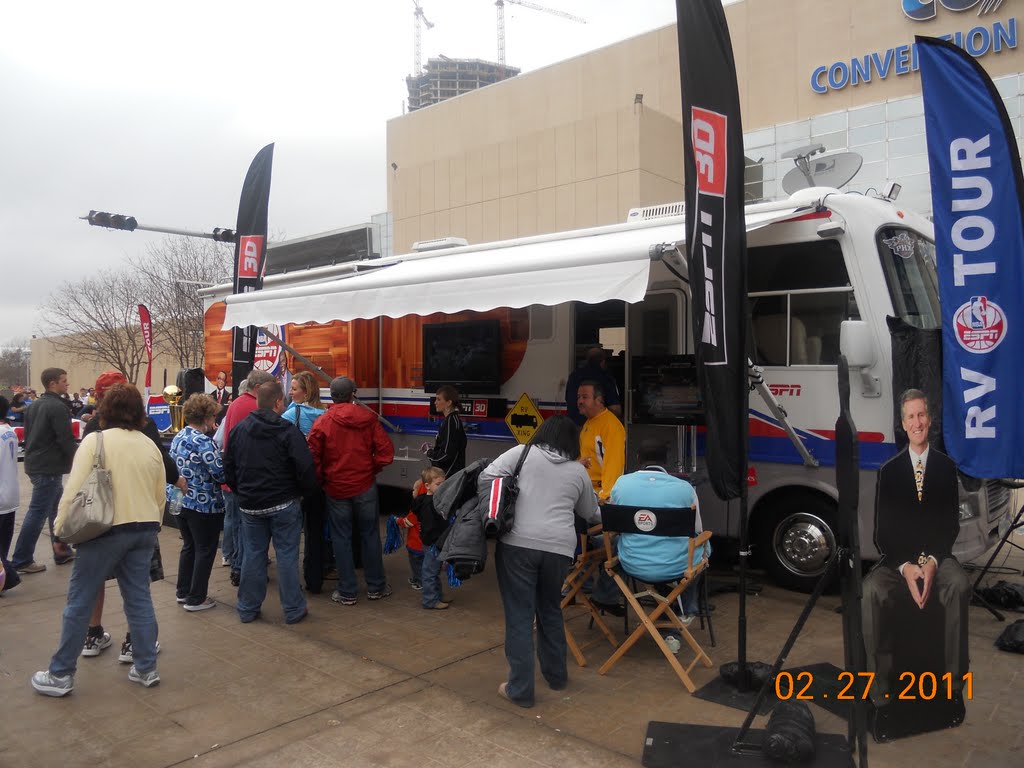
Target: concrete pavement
389	684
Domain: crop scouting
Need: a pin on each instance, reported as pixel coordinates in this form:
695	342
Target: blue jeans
126	555
416	564
431	578
46	493
231	549
284	528
530	582
366	509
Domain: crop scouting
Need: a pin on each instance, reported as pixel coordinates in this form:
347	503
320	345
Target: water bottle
174	503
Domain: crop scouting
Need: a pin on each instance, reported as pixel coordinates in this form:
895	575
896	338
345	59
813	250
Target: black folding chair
655	521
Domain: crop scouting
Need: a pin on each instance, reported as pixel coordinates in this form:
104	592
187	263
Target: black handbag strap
519	464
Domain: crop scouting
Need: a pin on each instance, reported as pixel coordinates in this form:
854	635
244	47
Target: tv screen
666	390
467	355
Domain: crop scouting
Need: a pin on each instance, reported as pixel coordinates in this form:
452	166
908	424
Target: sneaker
180	600
94	646
32	567
126	656
236	576
206	605
224	562
417	585
146	679
337	597
386	592
438	606
50	684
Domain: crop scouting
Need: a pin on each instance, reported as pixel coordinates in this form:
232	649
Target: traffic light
112	221
221	235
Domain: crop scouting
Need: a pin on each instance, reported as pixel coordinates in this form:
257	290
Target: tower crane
501	21
420	18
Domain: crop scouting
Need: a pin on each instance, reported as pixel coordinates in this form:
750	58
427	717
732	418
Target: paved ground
389	684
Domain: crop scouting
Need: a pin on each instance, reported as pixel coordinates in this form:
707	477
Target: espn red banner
716	242
250	255
146	321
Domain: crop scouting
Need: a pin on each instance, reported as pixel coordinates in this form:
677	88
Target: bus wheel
797	540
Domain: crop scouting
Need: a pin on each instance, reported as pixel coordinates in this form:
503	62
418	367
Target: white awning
587	265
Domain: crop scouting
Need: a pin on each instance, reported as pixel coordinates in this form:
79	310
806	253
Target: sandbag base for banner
669	745
720	691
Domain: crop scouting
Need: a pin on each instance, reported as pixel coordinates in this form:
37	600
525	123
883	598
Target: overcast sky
156	110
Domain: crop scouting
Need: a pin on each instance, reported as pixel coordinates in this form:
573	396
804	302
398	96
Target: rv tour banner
977	203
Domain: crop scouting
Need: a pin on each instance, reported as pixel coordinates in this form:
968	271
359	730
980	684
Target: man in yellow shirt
602	440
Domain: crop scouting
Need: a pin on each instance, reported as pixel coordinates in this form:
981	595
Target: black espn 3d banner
716	240
250	255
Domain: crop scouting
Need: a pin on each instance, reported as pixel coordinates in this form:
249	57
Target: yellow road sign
524	419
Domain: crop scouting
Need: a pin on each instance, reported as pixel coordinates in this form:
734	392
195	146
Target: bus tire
797	535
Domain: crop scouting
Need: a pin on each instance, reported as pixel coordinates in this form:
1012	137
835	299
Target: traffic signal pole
129	224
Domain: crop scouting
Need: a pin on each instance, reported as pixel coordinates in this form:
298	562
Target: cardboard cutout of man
916	523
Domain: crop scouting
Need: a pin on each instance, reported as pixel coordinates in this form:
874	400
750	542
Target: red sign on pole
146	321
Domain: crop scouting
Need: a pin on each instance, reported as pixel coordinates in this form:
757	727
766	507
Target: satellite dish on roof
825	171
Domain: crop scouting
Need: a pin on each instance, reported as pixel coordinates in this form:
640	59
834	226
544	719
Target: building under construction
445	78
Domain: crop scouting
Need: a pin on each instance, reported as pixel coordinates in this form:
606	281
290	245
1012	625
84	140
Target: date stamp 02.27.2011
913	686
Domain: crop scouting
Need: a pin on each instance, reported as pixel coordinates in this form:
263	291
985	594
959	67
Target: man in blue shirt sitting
655	559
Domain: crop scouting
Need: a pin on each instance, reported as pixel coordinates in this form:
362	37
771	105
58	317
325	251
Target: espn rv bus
505	319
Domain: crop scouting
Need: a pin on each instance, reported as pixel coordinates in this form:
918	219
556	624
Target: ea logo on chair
645	520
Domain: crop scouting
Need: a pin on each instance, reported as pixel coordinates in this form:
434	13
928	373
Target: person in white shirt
9	496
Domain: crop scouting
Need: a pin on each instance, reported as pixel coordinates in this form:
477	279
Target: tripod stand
1017	523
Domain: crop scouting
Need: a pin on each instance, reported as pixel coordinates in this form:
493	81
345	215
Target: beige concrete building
83	372
579	143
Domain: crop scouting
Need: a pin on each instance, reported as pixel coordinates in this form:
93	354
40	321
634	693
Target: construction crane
419	16
501	21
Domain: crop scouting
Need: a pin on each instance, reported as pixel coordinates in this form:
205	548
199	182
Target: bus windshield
908	260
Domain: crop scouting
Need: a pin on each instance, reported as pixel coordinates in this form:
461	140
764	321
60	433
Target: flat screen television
666	390
467	355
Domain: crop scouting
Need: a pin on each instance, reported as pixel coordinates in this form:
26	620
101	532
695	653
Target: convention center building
581	142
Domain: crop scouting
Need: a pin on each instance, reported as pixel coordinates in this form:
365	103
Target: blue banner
979	241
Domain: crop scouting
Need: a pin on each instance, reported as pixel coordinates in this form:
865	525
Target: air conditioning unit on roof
655	212
438	243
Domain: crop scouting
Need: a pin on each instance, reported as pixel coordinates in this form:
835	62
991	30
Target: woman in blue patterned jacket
202	508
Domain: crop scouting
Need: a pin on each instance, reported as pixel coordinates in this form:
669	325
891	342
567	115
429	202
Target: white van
825	271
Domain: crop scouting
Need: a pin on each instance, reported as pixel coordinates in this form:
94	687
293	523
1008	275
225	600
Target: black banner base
670	745
721	692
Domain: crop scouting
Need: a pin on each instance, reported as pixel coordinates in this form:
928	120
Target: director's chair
583	569
655	521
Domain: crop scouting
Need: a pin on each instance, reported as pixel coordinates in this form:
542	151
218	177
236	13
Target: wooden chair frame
652	622
583	569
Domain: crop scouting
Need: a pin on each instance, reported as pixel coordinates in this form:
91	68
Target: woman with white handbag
137	484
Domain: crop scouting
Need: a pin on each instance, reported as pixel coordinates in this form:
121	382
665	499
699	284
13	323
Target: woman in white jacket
534	557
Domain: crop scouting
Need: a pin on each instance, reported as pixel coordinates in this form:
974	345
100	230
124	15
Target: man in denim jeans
49	450
269	465
350	447
232	548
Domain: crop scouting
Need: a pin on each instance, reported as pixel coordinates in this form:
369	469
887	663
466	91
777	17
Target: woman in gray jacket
532	559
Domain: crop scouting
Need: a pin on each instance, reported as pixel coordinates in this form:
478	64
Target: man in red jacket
349	448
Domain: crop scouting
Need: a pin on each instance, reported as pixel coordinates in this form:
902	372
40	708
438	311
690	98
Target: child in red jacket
429	480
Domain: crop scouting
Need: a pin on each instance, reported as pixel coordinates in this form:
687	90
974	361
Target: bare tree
97	318
14	362
172	272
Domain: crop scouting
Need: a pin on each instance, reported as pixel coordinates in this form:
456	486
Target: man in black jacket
49	450
917	519
270	468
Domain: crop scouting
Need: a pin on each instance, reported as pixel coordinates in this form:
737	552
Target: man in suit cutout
916	523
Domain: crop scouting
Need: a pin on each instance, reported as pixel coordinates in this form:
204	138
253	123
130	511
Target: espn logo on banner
707	130
249	249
